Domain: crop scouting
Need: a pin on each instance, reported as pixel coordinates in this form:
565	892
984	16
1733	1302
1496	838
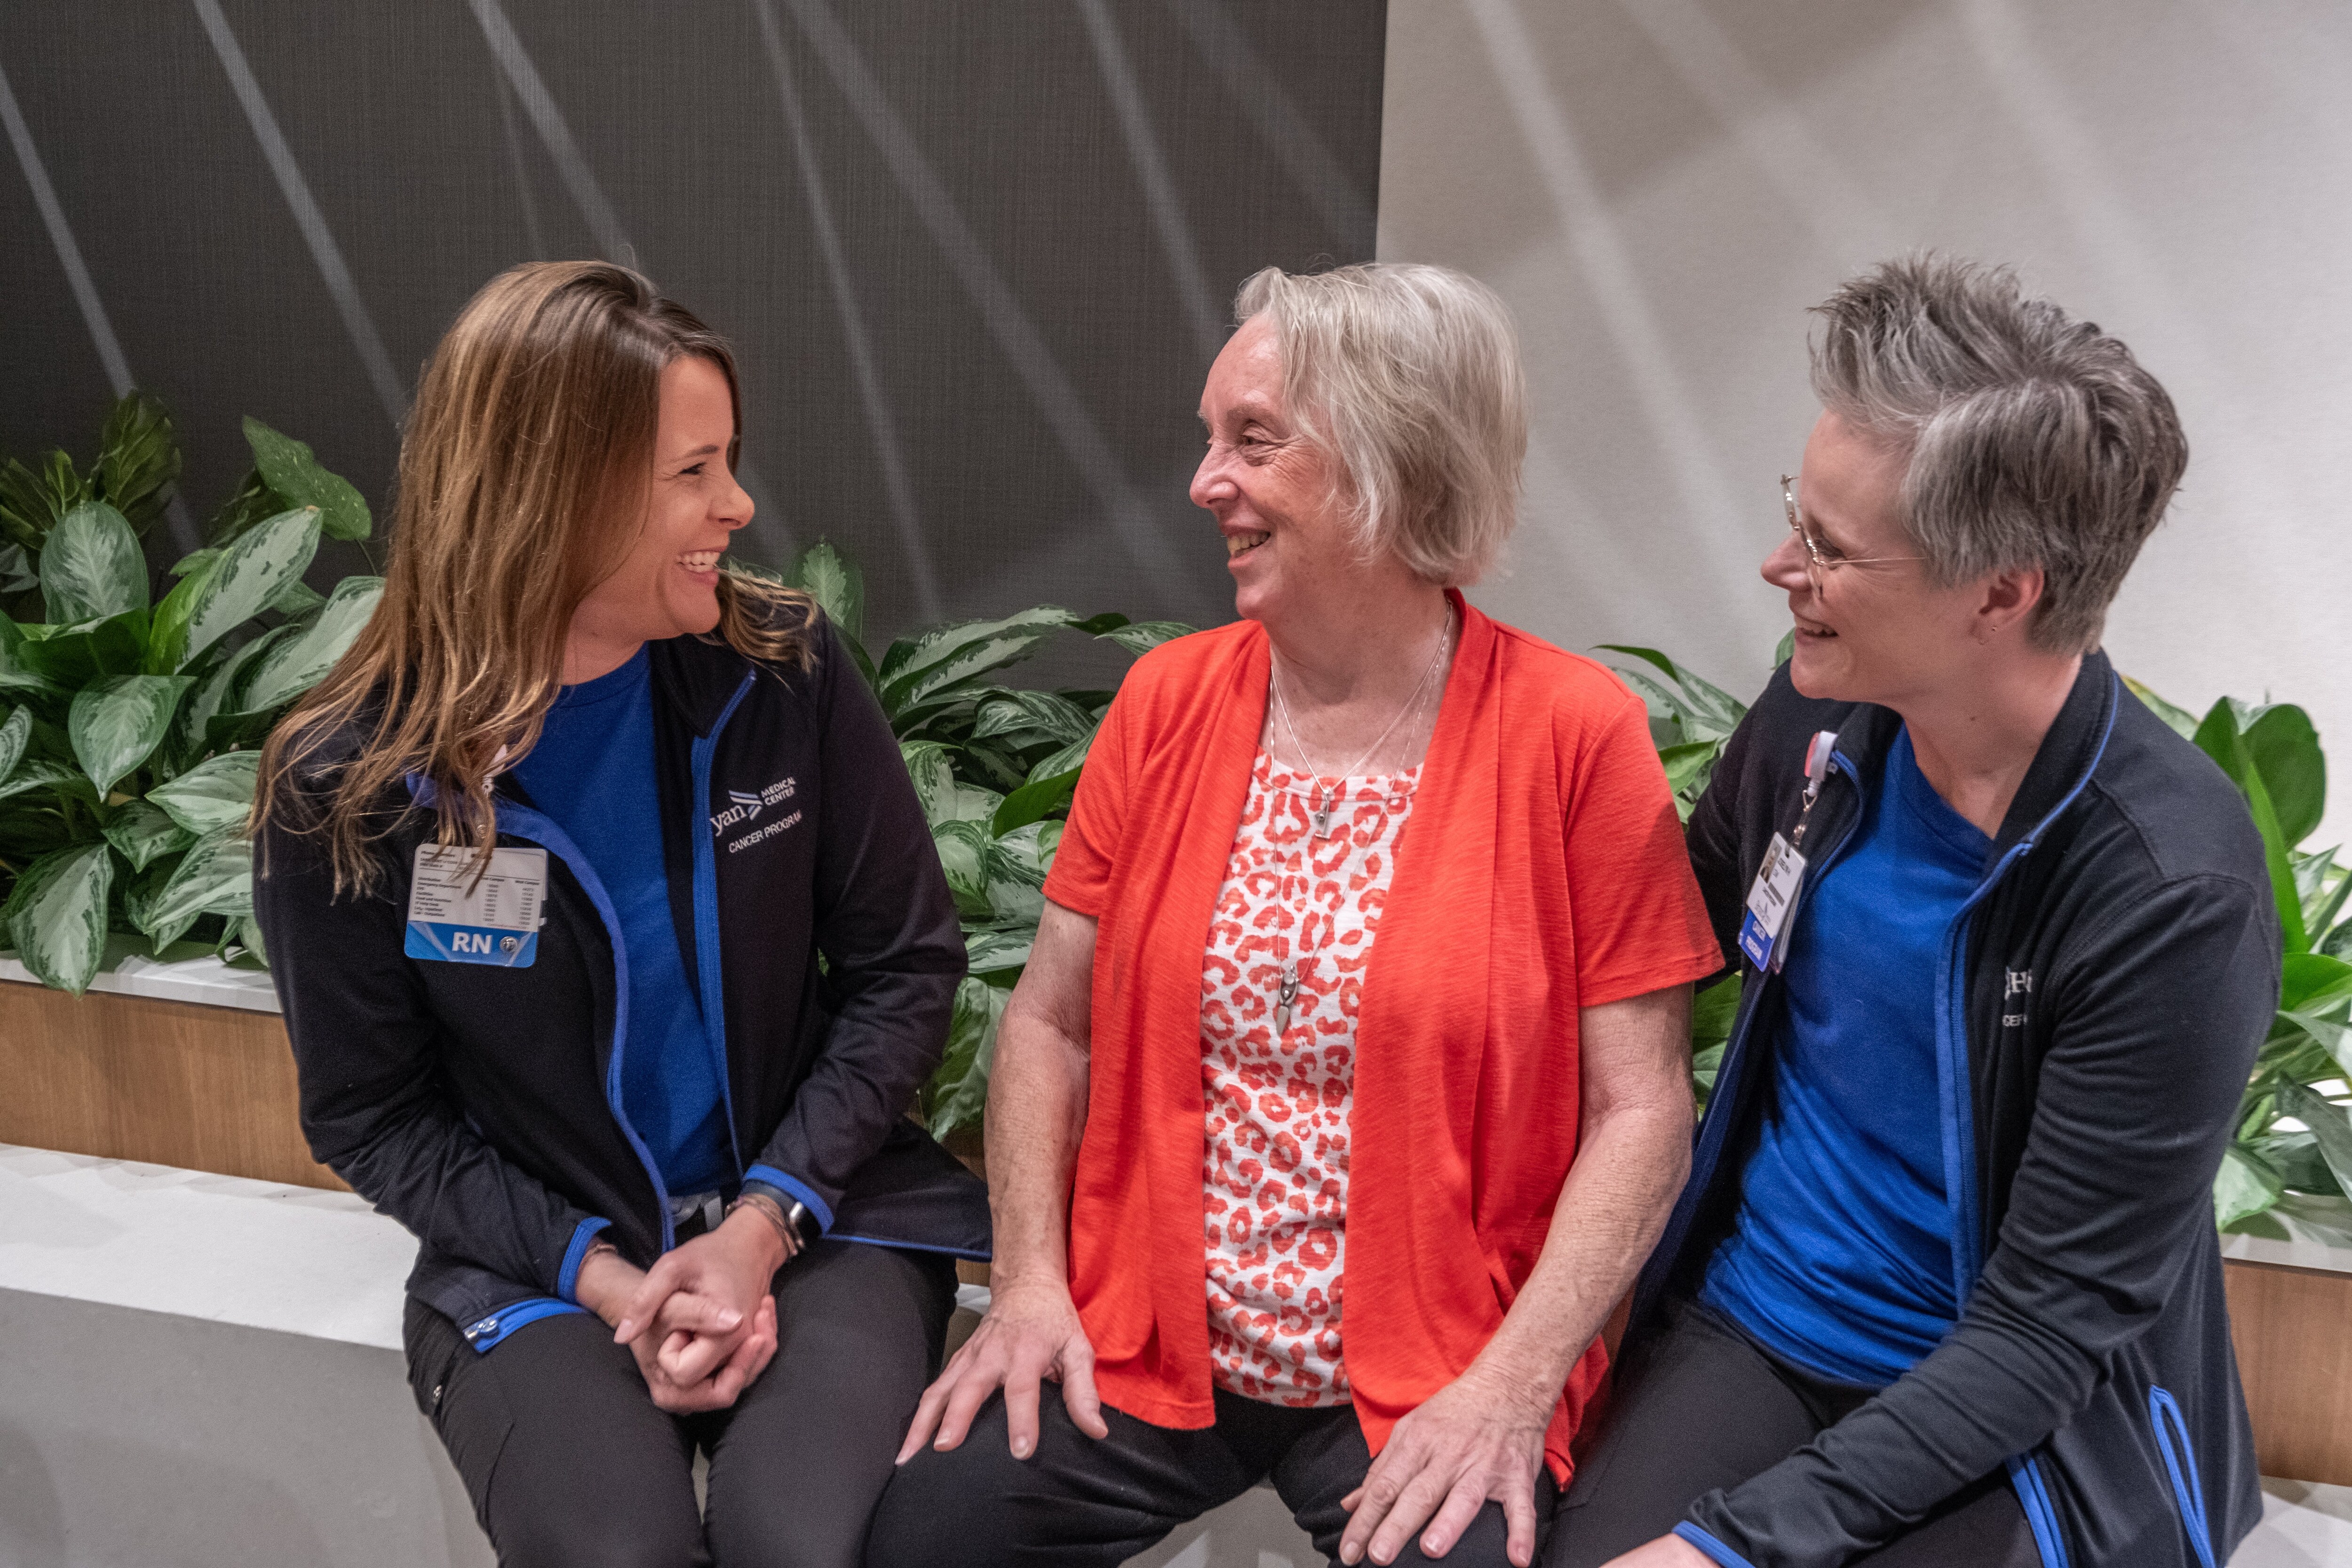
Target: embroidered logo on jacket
2020	983
749	804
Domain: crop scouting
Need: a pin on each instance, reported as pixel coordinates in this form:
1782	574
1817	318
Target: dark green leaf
2285	751
144	833
215	794
289	668
91	566
213	877
2220	738
14	736
218	686
248	576
19	676
287	466
963	855
296	599
71	657
961	1085
17	572
56	916
167	629
2244	1186
1141	638
140	901
1068	760
117	723
1032	716
2326	1122
992	950
836	585
251	502
953	655
1034	800
39	773
193	559
138	458
33	501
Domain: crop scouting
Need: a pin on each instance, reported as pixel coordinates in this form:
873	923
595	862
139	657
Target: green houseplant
995	767
128	720
2293	1147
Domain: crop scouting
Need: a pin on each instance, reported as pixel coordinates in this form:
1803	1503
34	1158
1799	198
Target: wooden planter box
209	1087
130	1076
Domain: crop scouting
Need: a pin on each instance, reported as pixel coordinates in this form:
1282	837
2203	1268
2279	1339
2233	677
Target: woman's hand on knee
1468	1444
1031	1334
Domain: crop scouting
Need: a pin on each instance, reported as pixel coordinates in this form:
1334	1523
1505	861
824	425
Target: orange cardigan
1542	870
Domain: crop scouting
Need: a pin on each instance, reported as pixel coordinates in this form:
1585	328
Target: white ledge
190	973
223	1249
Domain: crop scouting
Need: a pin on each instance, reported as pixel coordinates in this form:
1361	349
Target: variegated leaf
946	656
292	667
116	724
216	793
248	576
57	915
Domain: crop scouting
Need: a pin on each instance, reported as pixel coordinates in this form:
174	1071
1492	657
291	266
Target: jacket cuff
1714	1549
567	1279
788	1190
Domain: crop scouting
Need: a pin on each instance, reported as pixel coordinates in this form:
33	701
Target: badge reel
457	917
1772	900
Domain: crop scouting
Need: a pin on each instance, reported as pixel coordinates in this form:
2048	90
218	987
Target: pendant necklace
1327	799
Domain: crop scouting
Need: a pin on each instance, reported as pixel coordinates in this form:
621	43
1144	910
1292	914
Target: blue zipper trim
708	980
798	1188
1954	1088
2040	1514
567	1279
489	1332
1731	1072
1711	1546
523	822
2188	1491
530	824
913	1246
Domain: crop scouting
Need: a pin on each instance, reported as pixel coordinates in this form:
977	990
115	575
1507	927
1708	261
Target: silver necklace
1326	795
1287	990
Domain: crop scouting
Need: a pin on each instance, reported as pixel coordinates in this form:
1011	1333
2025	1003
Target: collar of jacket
2060	765
698	677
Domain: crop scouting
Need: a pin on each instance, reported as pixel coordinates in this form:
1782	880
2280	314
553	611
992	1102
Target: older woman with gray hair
1347	1084
1944	1287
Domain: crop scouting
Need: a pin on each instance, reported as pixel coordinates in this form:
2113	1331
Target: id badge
454	917
1770	902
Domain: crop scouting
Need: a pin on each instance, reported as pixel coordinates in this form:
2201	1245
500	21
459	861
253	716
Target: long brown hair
524	477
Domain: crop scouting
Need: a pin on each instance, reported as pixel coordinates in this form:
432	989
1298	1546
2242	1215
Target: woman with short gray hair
1364	980
1944	1286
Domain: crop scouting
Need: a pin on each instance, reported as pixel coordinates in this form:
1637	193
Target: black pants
1699	1406
1080	1500
569	1465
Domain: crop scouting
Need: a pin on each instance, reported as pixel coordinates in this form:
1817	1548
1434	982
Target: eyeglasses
1820	561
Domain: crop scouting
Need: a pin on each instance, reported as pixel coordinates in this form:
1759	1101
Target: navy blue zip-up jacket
2099	1004
480	1105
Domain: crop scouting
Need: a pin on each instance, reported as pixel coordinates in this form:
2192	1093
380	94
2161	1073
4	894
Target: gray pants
569	1465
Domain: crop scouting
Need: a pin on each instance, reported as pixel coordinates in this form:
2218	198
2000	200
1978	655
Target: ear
2007	599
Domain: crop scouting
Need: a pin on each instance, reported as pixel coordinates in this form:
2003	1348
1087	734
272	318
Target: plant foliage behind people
128	717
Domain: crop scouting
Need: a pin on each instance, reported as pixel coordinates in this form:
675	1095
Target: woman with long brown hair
614	948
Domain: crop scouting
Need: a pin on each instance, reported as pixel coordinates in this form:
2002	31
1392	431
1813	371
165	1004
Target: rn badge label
455	917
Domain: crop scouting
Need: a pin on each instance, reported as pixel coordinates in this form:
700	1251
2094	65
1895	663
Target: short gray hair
2033	439
1410	377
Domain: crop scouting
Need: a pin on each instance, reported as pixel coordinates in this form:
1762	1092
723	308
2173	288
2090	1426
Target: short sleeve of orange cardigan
1079	878
1640	923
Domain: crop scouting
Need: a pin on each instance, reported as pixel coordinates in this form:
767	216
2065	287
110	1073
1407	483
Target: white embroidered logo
2019	980
748	805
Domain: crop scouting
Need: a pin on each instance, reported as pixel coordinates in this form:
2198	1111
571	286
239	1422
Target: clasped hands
1477	1439
702	1321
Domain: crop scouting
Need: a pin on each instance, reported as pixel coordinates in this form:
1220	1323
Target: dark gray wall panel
1035	323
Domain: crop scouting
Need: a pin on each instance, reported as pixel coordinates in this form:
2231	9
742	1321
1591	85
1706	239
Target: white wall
1661	187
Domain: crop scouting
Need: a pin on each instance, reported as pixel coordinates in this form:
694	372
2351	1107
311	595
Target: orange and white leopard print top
1275	1171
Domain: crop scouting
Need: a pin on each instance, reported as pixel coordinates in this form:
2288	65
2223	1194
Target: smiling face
1874	629
667	584
1270	489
